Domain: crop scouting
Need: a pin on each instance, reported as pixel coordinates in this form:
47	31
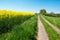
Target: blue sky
30	5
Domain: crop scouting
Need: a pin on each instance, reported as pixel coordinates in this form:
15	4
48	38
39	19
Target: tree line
44	12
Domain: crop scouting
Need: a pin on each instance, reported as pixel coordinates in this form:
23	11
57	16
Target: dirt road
42	35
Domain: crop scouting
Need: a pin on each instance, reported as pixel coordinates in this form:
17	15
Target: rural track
42	35
51	25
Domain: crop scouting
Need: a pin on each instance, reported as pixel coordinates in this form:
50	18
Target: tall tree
42	11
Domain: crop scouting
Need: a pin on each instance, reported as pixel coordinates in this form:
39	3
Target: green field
7	23
25	31
54	20
52	34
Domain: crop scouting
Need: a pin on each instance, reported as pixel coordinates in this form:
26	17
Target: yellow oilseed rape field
4	13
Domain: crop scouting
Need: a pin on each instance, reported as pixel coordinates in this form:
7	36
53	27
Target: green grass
52	34
25	31
54	20
7	23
